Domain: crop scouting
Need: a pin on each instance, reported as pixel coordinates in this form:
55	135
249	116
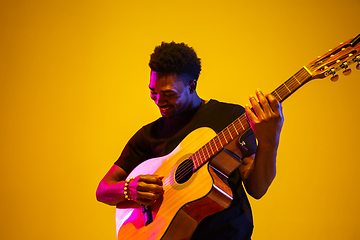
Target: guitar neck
241	124
292	84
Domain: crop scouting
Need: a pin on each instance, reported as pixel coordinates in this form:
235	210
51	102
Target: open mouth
164	109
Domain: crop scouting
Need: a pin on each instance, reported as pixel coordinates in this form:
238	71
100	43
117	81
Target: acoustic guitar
196	171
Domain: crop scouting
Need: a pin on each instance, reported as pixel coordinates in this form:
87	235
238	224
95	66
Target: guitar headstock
337	59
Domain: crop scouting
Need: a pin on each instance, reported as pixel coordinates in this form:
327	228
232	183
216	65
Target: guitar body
183	205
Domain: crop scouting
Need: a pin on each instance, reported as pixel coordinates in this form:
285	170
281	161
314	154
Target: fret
245	122
279	98
297	80
292	85
241	124
203	149
199	157
287	88
220	141
224	137
196	162
198	153
233	132
203	153
217	148
194	158
206	148
211	147
283	91
237	133
229	132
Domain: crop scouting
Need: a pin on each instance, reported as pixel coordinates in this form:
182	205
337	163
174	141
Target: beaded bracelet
127	182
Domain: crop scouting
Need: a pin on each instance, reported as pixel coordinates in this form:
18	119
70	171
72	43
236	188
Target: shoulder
224	107
140	137
216	103
147	127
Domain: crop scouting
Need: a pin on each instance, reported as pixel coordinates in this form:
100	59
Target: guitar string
291	84
227	133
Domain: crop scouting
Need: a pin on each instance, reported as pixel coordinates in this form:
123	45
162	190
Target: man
175	70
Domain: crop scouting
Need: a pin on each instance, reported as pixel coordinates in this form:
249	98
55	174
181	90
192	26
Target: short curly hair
176	58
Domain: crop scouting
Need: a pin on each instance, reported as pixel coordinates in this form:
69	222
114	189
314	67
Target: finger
250	114
154	179
257	107
275	105
264	103
161	177
149	187
149	196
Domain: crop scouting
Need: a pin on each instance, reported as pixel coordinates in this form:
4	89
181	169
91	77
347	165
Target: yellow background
73	90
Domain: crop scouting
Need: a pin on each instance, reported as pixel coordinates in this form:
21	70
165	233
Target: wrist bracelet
126	188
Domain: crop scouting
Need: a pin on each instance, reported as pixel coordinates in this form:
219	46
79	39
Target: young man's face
169	93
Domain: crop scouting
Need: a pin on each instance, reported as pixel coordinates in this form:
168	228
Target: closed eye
169	94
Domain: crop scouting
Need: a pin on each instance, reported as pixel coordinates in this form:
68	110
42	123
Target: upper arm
115	174
109	189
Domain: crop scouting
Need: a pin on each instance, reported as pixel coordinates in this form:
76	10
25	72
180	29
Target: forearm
266	120
262	172
110	192
143	189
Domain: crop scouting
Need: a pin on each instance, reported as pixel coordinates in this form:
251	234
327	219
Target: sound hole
184	171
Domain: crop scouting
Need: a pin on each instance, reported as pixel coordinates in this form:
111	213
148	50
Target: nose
159	100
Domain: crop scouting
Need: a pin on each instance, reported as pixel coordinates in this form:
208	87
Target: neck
196	101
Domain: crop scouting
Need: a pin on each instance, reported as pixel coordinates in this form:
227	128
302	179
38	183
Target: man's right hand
146	189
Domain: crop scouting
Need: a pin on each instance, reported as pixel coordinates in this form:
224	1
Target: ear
192	85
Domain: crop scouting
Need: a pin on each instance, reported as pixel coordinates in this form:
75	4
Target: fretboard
241	124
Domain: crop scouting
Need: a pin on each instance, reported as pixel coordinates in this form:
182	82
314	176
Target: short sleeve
134	152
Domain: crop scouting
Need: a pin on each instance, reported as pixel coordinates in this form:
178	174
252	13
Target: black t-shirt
162	136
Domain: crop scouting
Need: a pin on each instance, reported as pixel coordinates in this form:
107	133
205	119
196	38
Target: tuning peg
335	76
358	65
357	59
347	70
